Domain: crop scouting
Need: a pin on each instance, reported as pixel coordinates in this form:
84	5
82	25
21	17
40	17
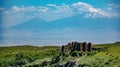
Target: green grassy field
105	55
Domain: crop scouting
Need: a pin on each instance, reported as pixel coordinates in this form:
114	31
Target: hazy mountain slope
31	24
75	21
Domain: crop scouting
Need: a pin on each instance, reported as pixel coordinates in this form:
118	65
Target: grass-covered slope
108	55
102	55
15	55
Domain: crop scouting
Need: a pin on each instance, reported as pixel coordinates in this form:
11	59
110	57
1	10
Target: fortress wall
89	48
76	46
84	46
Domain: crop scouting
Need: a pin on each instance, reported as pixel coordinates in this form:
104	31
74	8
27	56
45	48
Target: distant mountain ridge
74	21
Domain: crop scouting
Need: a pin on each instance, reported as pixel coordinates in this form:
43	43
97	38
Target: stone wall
79	46
70	47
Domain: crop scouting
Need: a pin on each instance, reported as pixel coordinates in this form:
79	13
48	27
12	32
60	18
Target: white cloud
43	9
87	8
51	5
80	6
51	12
109	8
23	9
113	10
15	8
114	5
93	10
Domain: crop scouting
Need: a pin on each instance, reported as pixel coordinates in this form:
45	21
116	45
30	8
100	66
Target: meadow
102	55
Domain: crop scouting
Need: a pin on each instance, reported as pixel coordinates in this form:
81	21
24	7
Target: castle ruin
77	46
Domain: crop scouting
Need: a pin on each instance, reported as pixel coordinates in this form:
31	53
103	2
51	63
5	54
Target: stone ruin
77	46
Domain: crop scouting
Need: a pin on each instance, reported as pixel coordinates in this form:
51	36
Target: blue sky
87	20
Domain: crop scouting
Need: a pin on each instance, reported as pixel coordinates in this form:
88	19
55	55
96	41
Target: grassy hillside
26	54
102	55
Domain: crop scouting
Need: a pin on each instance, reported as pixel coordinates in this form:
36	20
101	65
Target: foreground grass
106	55
27	53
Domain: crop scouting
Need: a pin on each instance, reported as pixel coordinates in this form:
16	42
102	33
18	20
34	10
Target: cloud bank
51	12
